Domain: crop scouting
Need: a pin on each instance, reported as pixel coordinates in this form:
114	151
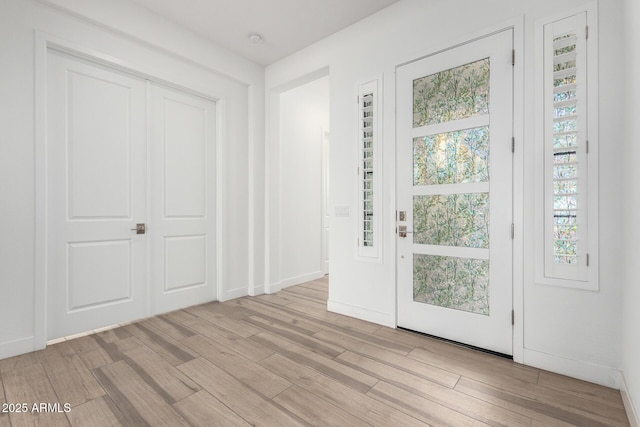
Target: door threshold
472	347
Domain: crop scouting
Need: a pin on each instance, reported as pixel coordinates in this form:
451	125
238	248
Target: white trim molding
19	346
230	294
632	414
586	371
292	281
378	317
273	288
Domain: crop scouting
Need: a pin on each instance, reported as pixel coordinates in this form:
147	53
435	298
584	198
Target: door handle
402	231
140	229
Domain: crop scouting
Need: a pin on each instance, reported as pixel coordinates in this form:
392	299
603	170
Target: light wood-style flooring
283	360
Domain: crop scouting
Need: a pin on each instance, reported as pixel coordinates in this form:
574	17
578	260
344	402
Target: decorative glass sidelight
368	174
565	150
567	174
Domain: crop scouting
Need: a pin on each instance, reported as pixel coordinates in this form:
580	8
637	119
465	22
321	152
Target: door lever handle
402	231
140	229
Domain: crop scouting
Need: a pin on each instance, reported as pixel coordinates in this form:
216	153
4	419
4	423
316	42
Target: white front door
96	193
182	224
455	193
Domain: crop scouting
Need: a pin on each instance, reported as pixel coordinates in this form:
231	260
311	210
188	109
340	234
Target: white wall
304	113
139	39
582	329
564	330
631	207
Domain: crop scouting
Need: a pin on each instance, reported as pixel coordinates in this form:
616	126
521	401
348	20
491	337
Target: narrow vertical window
569	117
368	180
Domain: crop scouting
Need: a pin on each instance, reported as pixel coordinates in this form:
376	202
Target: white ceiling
286	25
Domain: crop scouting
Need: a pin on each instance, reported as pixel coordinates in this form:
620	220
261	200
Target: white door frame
273	191
517	25
43	43
326	223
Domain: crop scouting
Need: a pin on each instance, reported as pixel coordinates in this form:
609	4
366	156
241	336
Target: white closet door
182	223
96	157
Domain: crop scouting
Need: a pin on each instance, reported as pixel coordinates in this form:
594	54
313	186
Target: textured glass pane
452	220
565	187
564	218
565	65
568	110
565	259
565	141
566	232
456	283
565	247
565	171
452	94
564	50
565	202
565	126
564	81
452	158
564	96
564	157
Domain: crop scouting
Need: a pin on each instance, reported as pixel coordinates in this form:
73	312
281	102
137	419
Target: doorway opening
304	181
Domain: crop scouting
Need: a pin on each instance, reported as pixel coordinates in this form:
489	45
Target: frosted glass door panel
452	282
452	220
452	158
452	94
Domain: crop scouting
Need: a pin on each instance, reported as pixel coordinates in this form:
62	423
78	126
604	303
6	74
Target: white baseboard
256	290
292	281
233	294
632	413
380	318
273	288
17	347
586	371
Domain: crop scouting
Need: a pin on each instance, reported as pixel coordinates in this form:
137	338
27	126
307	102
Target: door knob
140	229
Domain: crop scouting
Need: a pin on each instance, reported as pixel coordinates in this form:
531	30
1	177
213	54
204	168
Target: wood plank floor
283	360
